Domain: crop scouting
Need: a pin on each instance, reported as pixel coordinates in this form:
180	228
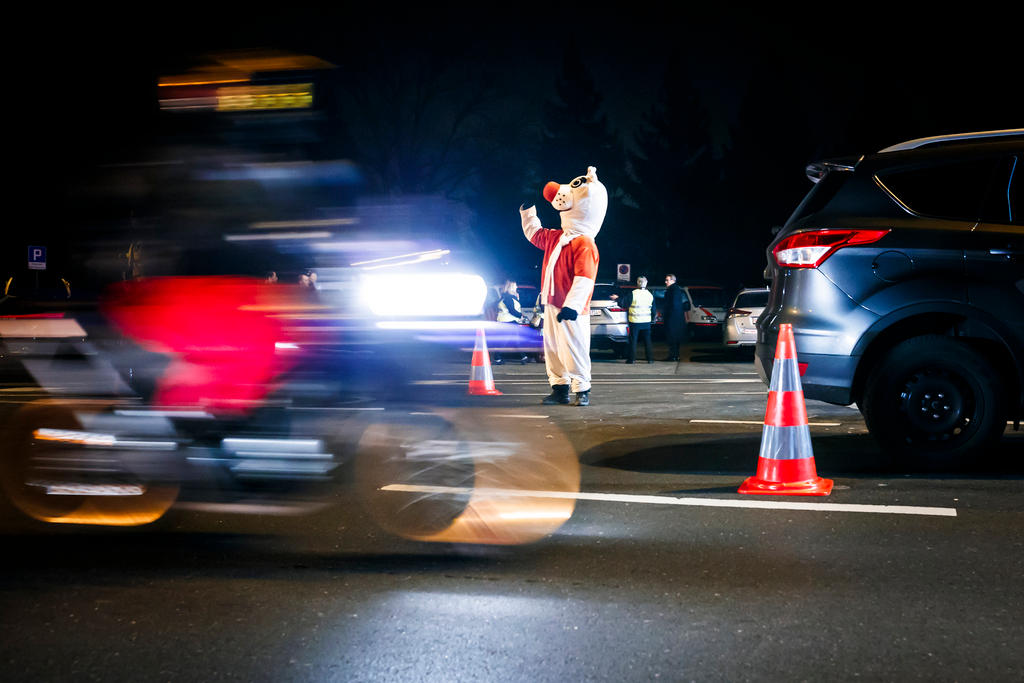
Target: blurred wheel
418	451
466	476
936	398
20	477
45	476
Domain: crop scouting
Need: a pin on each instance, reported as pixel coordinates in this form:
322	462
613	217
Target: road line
328	408
761	423
527	417
723	393
609	382
672	500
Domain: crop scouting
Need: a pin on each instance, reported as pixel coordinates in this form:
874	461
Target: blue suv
902	273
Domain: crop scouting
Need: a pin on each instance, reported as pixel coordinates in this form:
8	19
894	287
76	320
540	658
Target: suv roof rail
923	142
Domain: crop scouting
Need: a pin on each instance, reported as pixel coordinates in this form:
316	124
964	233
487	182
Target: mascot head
581	203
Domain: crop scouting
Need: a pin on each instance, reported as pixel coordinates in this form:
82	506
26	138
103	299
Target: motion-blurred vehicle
177	374
740	328
706	314
609	326
198	390
902	273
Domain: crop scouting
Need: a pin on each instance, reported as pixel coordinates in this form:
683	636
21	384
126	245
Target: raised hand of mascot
567	314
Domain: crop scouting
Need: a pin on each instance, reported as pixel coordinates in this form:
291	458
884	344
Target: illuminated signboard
264	97
234	98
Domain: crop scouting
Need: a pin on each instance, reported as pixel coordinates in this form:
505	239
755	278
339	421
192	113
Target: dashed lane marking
672	500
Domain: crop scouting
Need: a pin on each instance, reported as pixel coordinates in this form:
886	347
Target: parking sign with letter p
37	258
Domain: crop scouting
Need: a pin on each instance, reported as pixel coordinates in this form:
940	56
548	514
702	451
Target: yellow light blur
264	97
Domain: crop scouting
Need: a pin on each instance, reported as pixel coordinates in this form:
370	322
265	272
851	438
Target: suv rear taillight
810	249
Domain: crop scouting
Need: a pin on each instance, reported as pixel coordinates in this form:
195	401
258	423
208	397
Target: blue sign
37	258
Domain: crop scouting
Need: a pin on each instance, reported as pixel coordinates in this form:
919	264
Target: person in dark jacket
674	316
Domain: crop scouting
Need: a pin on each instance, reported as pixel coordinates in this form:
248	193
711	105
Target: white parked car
741	319
609	328
706	314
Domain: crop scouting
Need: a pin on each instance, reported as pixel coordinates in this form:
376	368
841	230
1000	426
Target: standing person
639	305
674	316
509	311
570	267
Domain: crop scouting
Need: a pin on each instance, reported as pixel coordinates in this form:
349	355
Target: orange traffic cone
481	380
785	465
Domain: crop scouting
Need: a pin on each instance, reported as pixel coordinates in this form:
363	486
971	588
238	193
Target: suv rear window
1005	202
602	292
752	299
820	195
954	190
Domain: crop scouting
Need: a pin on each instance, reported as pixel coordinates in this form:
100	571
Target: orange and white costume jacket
570	254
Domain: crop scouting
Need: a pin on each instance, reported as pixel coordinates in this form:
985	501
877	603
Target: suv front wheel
934	398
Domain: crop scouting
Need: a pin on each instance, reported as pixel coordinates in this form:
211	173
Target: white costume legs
567	350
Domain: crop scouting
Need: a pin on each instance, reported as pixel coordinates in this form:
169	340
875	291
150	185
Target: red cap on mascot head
550	190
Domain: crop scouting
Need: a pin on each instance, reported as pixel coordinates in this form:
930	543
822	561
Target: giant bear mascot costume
570	267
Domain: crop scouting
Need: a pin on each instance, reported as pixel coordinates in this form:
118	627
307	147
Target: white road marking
723	393
527	417
328	408
505	380
672	500
761	423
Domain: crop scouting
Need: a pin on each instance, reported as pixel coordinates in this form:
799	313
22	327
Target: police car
707	311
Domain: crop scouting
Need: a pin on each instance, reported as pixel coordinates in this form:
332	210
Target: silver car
609	328
740	327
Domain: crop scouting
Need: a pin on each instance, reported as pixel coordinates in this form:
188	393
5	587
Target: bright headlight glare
424	295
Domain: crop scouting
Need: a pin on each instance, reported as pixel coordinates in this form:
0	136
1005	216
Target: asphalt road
650	578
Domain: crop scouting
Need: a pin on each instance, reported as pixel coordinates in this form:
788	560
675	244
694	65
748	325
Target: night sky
738	104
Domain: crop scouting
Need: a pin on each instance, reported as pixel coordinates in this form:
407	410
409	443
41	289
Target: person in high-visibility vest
639	305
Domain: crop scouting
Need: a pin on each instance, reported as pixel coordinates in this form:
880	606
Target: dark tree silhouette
576	134
674	180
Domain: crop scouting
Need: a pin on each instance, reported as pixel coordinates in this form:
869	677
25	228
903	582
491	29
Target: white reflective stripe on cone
786	443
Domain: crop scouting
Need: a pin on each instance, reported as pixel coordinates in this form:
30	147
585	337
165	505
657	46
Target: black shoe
630	362
497	361
582	398
559	395
524	360
671	360
650	361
